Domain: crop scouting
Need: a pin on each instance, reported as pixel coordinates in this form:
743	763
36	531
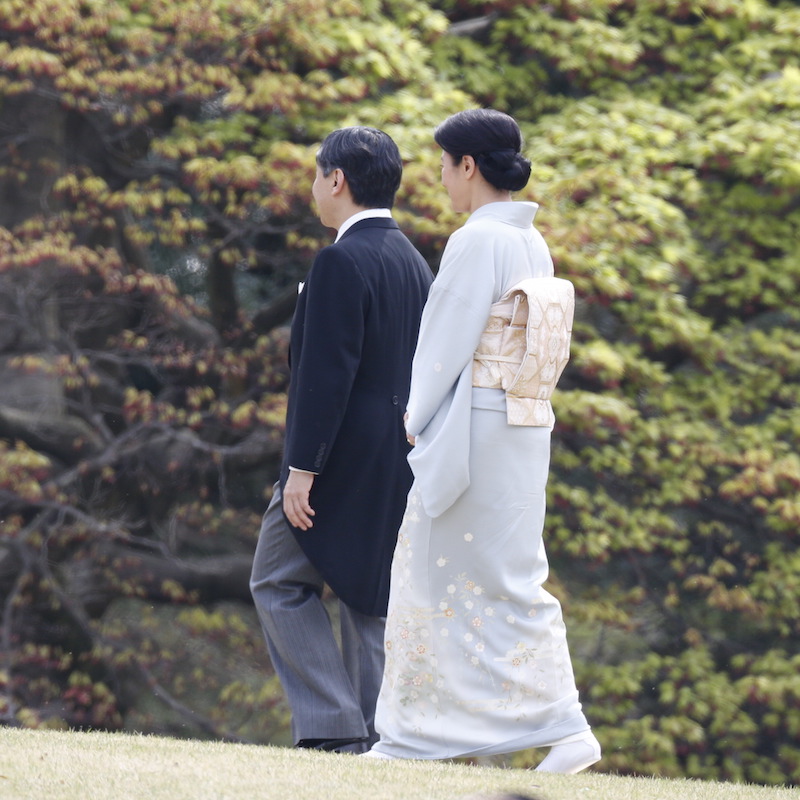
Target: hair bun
493	139
505	168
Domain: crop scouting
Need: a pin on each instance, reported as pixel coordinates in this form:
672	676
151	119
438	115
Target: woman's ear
468	165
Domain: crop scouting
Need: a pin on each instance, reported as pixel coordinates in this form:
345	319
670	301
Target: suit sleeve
323	375
452	323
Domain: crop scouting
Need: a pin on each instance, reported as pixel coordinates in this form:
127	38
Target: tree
663	136
157	162
156	165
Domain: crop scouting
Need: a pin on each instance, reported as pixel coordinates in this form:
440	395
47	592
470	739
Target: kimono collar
519	213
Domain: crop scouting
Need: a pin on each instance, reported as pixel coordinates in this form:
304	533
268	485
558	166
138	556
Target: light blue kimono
477	661
497	248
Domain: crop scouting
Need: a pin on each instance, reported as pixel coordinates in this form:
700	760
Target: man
337	507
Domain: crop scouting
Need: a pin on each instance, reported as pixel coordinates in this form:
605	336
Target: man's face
321	192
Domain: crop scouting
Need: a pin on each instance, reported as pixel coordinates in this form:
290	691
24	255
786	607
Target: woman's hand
412	440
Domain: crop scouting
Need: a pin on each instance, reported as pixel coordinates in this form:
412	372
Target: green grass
55	765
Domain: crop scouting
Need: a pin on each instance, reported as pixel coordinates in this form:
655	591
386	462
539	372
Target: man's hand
295	499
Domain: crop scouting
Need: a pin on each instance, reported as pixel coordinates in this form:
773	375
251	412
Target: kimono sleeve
452	323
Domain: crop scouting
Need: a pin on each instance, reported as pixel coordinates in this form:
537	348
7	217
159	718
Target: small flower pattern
461	624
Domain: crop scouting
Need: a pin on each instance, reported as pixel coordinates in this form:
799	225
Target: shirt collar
368	213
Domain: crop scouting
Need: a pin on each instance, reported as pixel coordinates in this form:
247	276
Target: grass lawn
55	765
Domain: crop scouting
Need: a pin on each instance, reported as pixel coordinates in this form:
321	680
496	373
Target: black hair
370	161
493	139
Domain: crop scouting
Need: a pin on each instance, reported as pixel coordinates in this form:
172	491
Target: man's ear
339	182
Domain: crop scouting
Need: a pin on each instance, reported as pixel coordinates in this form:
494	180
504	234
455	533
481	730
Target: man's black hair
370	161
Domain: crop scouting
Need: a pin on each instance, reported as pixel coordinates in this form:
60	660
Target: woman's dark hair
493	139
370	161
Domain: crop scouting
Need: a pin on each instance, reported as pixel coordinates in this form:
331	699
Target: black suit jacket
352	342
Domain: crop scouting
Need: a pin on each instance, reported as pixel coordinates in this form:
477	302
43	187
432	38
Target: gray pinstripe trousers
332	689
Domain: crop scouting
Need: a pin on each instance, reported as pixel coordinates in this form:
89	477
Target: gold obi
525	347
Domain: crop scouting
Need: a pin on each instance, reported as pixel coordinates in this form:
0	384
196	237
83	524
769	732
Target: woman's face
454	179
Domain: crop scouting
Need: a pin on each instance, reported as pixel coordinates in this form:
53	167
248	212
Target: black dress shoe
330	745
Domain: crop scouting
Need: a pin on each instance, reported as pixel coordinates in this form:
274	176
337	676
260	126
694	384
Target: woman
476	653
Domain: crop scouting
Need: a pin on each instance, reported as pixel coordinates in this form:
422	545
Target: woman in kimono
476	652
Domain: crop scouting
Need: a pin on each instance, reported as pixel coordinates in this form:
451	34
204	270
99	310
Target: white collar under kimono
512	212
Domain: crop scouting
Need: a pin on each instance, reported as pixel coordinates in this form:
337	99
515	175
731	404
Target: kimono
477	661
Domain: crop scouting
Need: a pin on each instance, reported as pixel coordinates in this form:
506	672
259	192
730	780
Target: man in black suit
337	507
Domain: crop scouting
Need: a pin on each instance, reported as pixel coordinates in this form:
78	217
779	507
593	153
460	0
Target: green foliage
208	658
155	172
668	183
